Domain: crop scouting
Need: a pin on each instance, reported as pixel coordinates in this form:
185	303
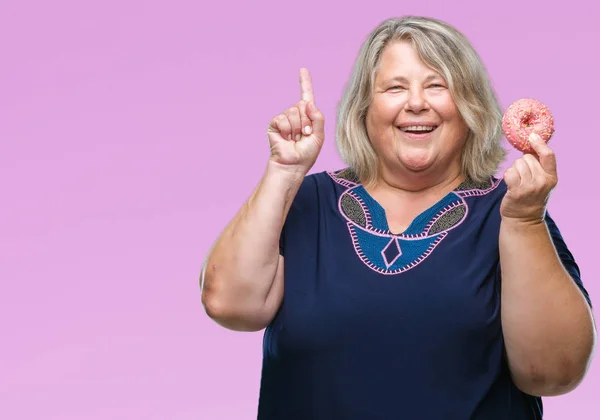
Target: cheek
446	108
380	119
386	109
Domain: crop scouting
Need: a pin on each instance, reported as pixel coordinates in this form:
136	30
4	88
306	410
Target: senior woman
412	284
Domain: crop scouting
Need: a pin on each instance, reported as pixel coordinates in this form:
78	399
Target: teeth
418	128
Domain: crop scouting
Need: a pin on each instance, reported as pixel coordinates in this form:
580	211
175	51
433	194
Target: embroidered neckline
347	174
389	253
374	214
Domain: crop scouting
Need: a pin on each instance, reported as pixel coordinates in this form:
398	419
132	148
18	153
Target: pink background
131	131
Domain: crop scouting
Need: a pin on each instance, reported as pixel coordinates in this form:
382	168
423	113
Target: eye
437	86
397	87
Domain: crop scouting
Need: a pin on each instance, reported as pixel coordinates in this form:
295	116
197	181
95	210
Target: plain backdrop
130	133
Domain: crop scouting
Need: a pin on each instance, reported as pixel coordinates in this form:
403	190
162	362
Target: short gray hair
447	51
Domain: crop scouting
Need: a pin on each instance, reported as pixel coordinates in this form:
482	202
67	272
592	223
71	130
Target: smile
418	132
418	128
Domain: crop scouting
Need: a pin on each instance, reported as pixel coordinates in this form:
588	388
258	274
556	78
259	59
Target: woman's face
412	120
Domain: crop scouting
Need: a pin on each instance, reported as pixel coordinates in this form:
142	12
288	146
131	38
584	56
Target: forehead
401	59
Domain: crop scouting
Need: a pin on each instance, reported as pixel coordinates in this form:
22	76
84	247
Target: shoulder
316	198
482	198
324	183
344	176
319	194
492	187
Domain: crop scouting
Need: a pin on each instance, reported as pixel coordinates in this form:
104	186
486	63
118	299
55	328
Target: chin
416	163
417	168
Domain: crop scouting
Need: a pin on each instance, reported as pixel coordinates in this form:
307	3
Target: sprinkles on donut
524	117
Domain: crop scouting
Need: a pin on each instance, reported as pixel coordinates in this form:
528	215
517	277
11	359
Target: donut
524	117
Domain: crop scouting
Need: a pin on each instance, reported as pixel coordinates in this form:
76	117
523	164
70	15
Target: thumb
317	119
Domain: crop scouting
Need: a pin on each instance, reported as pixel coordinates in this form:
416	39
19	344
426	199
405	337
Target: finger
280	124
293	115
306	88
512	178
524	171
534	165
305	123
545	154
317	119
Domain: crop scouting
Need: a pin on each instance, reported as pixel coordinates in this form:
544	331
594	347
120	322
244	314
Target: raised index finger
306	88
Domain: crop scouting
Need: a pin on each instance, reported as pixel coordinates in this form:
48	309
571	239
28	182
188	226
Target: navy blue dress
377	326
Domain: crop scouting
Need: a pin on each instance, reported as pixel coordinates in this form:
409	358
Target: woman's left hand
529	181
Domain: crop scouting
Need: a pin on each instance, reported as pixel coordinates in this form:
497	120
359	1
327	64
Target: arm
547	323
242	280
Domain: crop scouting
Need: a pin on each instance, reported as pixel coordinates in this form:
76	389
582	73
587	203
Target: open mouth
418	131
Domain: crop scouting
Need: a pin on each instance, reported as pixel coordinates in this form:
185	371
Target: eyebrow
405	80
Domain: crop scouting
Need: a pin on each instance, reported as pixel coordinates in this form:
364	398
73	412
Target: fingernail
534	137
307	130
297	137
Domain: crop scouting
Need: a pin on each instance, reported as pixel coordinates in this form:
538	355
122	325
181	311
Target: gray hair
447	51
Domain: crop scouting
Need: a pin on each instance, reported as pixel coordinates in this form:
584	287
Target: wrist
281	182
286	174
517	225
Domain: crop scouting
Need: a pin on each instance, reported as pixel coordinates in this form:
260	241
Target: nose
416	100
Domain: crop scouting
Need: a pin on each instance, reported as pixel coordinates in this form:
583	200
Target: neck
420	183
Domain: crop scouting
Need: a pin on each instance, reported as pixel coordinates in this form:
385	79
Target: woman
412	284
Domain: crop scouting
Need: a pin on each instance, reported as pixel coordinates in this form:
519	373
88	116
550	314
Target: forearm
239	271
547	324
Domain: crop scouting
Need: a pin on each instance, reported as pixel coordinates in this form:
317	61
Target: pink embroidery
395	239
402	269
445	210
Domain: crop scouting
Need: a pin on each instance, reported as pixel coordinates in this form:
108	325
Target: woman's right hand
296	135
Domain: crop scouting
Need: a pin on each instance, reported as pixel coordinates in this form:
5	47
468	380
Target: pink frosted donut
524	117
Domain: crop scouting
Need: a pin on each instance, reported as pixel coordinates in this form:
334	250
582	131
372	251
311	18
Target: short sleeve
566	256
281	241
302	211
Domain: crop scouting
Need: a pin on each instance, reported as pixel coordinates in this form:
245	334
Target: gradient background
131	132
